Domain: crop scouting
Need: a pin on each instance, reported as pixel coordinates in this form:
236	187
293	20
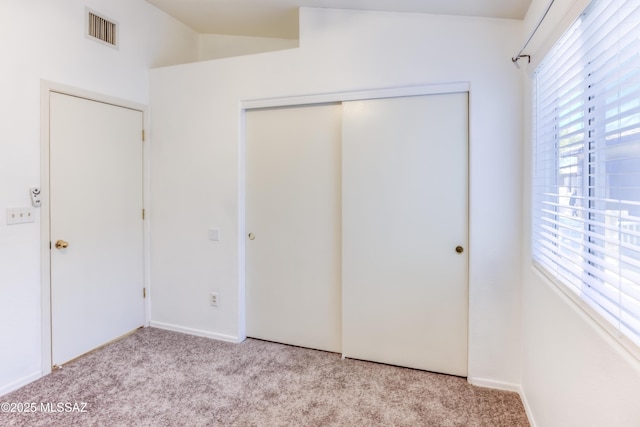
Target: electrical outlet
214	299
19	215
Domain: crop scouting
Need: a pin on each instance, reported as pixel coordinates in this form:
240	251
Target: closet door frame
334	97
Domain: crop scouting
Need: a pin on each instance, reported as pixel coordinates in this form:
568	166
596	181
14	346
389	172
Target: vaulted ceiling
279	18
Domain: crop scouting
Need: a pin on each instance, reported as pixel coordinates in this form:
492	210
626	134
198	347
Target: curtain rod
519	55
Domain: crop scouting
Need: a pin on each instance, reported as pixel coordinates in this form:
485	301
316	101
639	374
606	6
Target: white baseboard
5	389
527	408
499	385
196	332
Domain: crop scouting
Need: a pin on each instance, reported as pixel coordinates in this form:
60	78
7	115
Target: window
586	184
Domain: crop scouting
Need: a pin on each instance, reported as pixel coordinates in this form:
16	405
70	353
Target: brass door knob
61	244
459	249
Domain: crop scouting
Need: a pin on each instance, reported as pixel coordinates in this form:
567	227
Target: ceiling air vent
102	29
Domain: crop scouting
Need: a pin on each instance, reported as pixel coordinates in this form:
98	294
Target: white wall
573	372
196	157
44	39
216	46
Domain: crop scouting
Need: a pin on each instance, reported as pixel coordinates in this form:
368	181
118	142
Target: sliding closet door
405	221
293	221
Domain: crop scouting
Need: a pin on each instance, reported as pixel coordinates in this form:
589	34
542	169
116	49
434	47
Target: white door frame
394	92
46	88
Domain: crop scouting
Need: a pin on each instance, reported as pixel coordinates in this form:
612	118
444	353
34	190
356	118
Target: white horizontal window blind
586	185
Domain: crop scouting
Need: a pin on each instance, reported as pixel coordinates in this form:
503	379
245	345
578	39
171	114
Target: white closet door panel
293	264
404	286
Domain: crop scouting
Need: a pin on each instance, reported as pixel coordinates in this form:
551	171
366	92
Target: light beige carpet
159	378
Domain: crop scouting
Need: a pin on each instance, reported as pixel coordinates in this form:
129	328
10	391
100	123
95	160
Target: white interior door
293	255
404	203
96	208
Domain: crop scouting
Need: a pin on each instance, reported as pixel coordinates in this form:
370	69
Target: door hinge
143	214
142	135
144	292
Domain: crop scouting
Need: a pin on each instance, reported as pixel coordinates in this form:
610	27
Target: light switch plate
214	234
19	215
